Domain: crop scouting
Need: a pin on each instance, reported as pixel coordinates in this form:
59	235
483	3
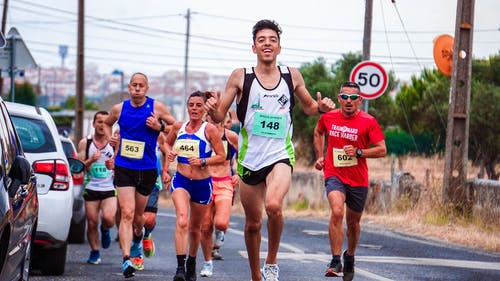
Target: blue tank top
137	141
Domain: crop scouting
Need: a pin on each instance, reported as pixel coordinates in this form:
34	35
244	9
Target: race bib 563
132	149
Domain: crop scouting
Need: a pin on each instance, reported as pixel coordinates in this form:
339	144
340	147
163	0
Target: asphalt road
304	255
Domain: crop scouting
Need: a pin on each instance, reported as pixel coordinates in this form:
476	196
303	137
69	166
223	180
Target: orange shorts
222	188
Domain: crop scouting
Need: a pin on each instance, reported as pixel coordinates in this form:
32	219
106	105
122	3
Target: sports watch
359	152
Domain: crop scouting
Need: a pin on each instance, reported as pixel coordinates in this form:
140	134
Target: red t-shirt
361	131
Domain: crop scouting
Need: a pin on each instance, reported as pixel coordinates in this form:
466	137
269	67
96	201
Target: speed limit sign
371	78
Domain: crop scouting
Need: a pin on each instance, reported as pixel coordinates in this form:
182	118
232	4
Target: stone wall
382	196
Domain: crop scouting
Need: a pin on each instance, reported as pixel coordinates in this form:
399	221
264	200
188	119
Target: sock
137	239
336	258
348	257
191	260
181	260
148	231
125	258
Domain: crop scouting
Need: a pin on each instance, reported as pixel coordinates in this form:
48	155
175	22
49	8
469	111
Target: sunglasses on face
347	96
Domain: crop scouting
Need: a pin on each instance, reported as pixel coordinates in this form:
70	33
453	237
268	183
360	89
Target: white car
43	149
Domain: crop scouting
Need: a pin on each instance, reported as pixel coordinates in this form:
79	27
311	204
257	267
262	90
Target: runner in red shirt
353	136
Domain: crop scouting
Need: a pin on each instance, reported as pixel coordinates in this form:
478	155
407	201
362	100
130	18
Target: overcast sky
149	35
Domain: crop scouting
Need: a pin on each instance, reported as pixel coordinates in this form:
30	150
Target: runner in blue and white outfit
191	143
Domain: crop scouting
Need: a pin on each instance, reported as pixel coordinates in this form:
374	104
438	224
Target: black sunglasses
346	96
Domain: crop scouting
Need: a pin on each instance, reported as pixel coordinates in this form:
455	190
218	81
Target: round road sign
371	78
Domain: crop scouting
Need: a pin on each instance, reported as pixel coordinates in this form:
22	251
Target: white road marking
432	262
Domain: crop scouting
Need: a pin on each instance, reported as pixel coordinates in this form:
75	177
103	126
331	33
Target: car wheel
25	269
77	232
4	246
53	261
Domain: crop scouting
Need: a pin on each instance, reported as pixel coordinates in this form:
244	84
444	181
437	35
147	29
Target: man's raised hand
324	104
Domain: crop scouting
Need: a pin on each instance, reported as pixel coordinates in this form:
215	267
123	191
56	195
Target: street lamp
119	72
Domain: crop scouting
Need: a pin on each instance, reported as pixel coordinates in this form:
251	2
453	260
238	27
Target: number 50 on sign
371	78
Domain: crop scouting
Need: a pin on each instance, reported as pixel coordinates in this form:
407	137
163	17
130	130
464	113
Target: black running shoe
128	269
348	267
180	274
190	270
334	269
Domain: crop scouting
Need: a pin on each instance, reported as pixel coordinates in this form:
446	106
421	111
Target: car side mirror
76	166
19	173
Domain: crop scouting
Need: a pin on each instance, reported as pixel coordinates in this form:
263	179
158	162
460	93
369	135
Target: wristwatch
359	152
203	162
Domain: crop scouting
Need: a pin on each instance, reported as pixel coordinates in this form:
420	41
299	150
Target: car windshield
34	134
68	149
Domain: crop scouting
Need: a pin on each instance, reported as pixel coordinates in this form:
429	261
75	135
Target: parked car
43	149
78	220
18	203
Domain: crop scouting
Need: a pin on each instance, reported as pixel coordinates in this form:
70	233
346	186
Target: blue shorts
199	190
355	196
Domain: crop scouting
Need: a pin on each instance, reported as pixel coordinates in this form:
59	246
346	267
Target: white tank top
98	177
266	132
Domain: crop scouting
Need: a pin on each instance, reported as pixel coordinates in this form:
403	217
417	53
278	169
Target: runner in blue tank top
140	119
191	143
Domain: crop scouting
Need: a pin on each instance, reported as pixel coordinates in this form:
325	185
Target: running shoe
148	246
334	269
216	255
348	267
128	269
94	258
271	272
207	269
180	274
138	262
191	270
105	238
219	238
136	249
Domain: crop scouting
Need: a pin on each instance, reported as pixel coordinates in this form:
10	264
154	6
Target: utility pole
4	23
457	133
367	37
80	79
186	56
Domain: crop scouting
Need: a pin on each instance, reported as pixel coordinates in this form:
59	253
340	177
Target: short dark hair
266	24
350	84
101	112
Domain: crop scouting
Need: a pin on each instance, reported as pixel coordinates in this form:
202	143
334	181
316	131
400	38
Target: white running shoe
219	238
271	272
207	269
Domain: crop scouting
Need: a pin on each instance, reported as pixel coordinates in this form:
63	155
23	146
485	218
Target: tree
71	102
24	93
424	102
422	108
317	79
484	146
